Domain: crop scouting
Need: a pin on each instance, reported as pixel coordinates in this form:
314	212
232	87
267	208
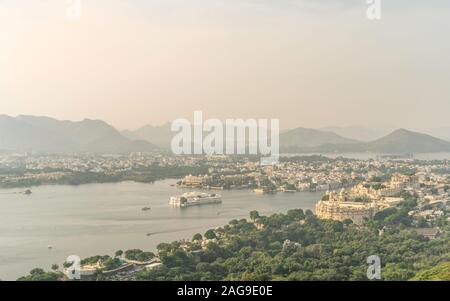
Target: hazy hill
160	136
302	138
305	140
404	141
360	133
25	133
18	135
290	140
398	142
441	133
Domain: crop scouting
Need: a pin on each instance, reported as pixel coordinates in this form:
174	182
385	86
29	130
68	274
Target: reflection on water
102	218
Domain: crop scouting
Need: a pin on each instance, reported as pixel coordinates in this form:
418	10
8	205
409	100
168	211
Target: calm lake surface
99	219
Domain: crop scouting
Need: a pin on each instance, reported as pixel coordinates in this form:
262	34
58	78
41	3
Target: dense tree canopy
294	246
298	246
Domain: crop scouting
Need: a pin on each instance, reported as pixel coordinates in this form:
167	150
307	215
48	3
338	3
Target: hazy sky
309	63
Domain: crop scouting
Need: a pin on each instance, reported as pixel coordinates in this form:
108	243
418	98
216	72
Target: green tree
296	214
440	272
254	215
197	237
37	272
210	234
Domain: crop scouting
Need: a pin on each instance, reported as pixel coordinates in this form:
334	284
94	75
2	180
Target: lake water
99	219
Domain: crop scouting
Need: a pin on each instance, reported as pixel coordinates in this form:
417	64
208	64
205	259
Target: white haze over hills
366	133
361	133
37	133
442	132
33	133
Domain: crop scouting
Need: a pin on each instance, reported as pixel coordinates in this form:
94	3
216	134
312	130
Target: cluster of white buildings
367	198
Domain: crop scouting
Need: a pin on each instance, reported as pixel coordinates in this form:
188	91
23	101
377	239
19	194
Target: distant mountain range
161	136
26	133
360	133
30	133
402	141
301	139
291	140
398	142
304	140
442	133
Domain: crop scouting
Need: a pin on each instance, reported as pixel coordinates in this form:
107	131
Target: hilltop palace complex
364	200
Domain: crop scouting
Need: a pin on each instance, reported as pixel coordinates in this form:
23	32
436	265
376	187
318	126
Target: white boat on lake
195	199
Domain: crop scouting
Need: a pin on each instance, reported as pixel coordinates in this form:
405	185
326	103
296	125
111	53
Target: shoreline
97	218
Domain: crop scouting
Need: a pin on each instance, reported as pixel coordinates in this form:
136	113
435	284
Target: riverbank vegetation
298	246
24	178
